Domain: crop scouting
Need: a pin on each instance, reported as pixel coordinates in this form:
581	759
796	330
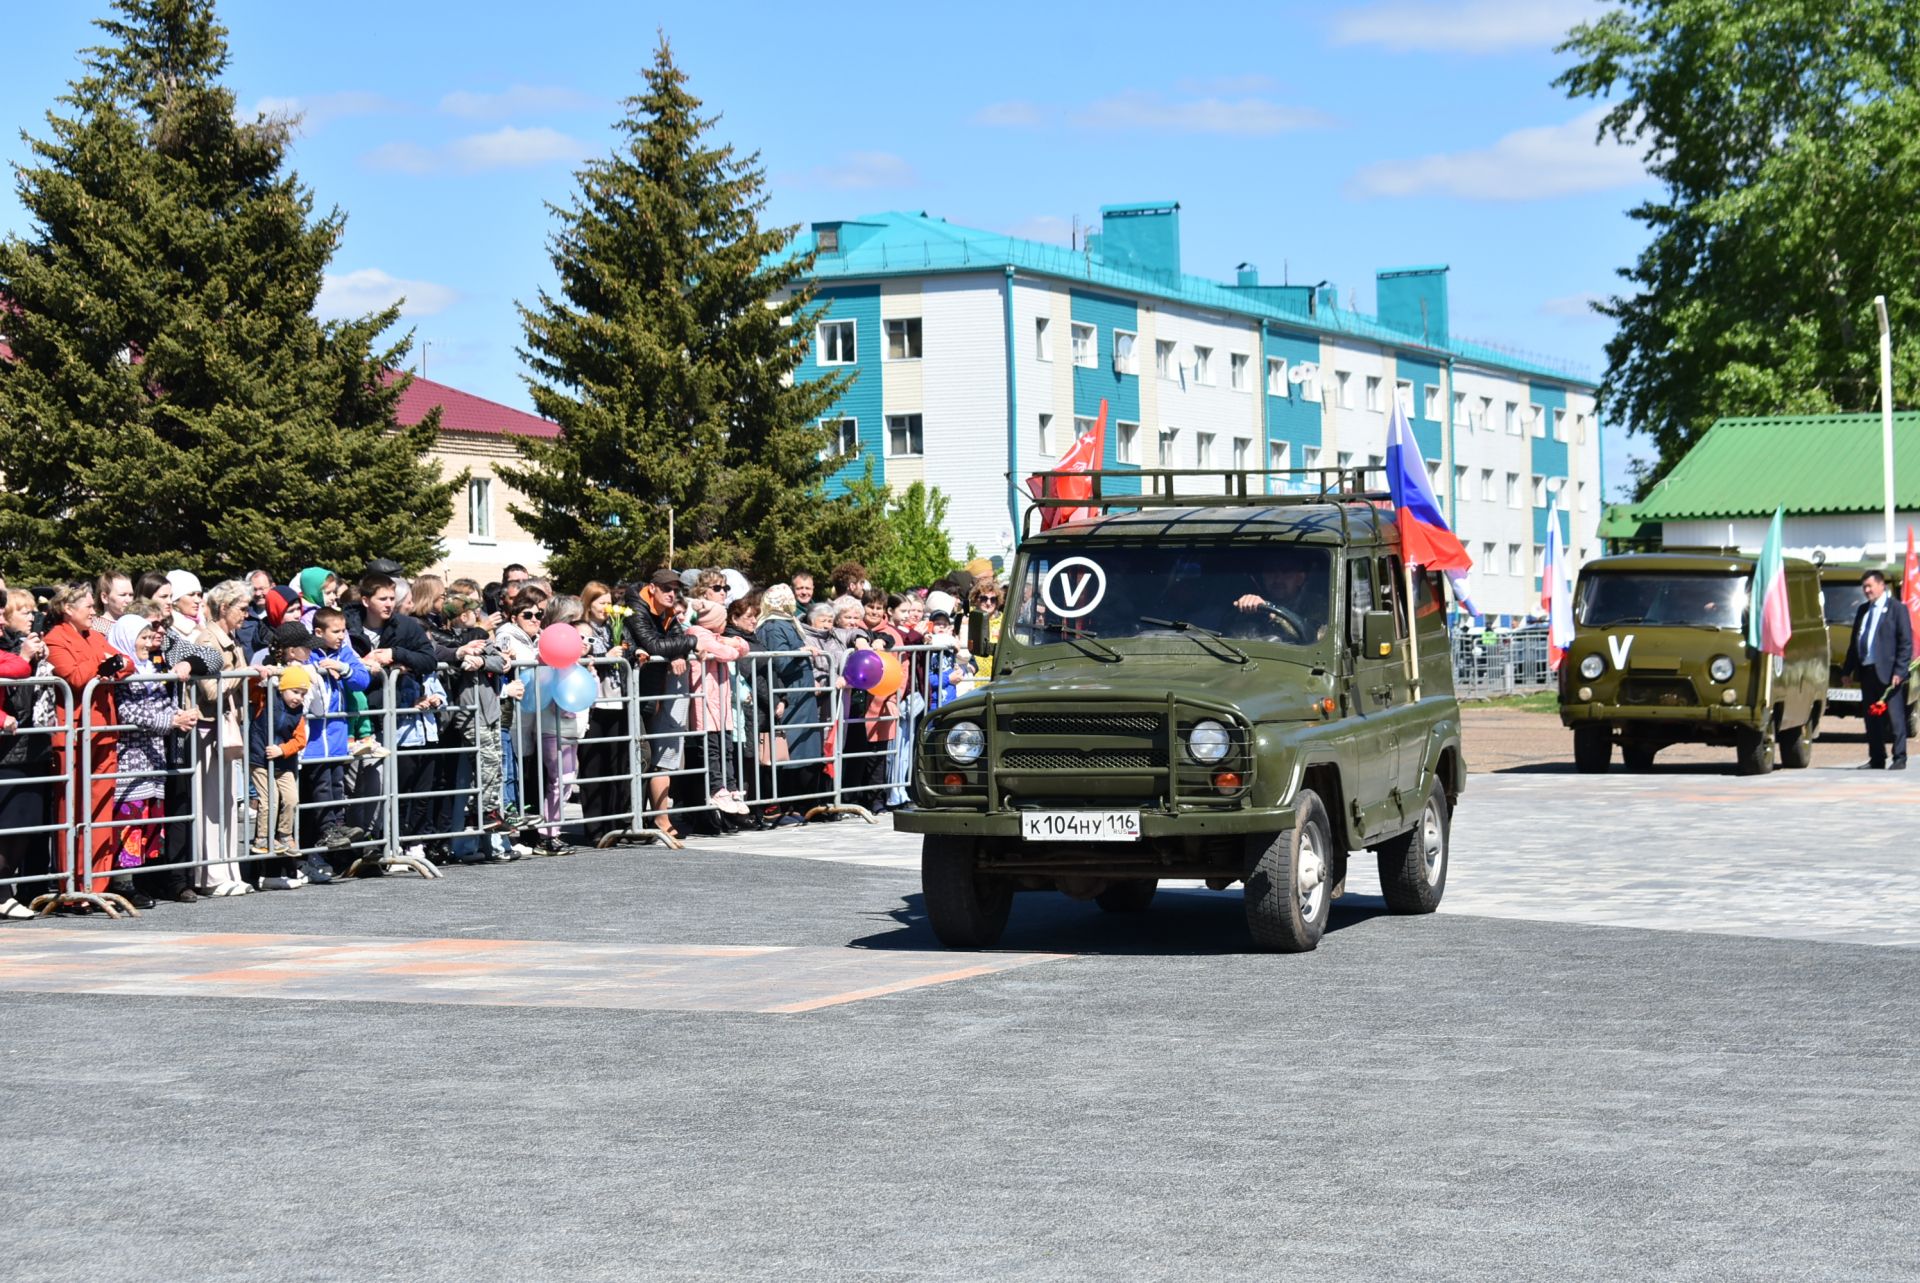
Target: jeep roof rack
1161	488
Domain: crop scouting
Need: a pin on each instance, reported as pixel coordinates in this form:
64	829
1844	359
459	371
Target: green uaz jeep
1203	687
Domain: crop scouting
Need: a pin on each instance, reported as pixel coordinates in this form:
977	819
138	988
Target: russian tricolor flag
1425	538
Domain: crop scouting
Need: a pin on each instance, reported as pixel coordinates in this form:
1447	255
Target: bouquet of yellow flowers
617	615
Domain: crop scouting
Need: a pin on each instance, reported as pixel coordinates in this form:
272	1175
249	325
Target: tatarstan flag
1769	623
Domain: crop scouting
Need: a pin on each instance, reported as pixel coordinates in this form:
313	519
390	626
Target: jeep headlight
1592	666
966	742
1721	669
1208	742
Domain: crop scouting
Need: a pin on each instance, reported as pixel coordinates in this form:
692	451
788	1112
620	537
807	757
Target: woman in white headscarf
148	711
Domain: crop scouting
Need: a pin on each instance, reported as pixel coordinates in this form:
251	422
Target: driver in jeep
1282	606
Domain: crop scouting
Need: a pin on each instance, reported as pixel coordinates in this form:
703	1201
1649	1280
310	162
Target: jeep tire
966	909
1592	749
1128	895
1413	866
1755	751
1289	880
1796	743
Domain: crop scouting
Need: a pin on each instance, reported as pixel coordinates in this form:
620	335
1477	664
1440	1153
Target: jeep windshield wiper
1183	626
1078	635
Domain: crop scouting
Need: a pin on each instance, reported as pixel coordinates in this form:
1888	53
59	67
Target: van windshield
1706	600
1843	599
1108	590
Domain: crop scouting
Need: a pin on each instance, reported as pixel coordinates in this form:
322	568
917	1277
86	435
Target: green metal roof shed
1808	463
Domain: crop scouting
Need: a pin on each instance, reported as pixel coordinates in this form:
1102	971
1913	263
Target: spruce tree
667	359
171	399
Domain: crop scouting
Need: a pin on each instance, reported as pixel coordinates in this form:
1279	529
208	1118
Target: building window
1343	460
1083	336
1373	392
1580	429
1240	445
1460	482
1123	358
1460	419
480	508
1430	404
1514	567
1513	419
1484	420
903	339
1169	442
846	437
1203	365
1163	359
1403	396
1276	376
1128	450
1487	491
1046	435
1559	425
1539	491
1433	473
1539	561
1237	371
1513	490
836	342
1580	494
1042	339
1537	420
1343	388
1314	455
1203	450
904	439
1309	382
1487	559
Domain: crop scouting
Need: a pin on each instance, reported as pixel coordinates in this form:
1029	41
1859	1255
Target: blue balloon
575	690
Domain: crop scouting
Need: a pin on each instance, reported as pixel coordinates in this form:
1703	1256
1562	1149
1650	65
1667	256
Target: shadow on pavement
1658	768
1180	921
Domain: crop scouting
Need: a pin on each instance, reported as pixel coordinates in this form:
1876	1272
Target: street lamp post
1886	421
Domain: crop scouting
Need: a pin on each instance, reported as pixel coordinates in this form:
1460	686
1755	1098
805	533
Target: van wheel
965	908
1592	749
1413	866
1638	757
1289	885
1755	752
1796	745
1128	895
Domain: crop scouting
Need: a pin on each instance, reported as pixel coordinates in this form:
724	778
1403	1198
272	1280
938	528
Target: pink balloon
561	646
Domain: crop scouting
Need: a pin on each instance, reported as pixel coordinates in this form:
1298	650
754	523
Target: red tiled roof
465	412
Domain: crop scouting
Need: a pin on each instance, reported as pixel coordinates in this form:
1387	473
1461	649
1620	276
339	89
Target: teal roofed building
977	355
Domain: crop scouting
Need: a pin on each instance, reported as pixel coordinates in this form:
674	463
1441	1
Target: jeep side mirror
979	634
1377	634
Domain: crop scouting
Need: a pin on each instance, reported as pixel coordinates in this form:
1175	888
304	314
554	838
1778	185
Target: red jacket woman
79	655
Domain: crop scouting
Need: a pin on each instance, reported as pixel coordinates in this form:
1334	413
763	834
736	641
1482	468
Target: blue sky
1322	141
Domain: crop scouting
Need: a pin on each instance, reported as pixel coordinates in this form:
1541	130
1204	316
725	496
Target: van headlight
1592	666
1721	669
1208	742
966	742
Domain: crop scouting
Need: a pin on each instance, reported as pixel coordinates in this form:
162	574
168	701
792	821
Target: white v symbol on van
1619	647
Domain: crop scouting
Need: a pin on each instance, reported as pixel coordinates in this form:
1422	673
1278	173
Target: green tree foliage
1787	136
668	361
171	399
916	551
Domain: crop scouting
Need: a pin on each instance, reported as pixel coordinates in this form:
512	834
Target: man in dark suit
1880	651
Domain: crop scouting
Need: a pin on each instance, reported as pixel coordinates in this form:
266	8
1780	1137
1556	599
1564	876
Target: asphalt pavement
1458	1096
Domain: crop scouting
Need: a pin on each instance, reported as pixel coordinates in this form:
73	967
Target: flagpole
1413	637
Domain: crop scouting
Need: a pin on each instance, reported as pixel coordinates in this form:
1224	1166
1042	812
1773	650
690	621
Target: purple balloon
864	668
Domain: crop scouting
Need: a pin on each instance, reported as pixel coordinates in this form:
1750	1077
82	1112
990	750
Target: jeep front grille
1081	759
1085	724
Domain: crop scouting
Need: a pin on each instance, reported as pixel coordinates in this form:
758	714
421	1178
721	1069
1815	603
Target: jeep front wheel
1754	750
1592	749
1413	866
965	908
1289	890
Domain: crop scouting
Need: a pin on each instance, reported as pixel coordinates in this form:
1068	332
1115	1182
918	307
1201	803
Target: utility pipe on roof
1886	420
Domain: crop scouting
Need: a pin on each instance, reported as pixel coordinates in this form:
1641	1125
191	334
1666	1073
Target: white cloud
506	148
347	294
1527	164
1574	307
314	111
1476	26
859	170
514	100
1050	228
1212	85
1227	110
1008	115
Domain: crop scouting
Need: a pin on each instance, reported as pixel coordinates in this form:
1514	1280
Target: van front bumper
962	822
1592	711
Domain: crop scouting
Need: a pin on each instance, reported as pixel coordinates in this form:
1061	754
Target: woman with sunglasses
515	641
986	598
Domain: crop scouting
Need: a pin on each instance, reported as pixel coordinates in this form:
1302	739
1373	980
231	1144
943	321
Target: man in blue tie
1880	652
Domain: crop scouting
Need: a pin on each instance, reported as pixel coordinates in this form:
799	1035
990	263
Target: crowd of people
257	735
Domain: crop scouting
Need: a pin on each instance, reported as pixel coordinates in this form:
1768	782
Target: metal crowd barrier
800	741
1513	662
55	788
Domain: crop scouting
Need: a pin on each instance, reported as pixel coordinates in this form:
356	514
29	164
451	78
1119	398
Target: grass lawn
1546	701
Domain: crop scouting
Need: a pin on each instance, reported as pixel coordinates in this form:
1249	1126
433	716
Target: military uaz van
1659	657
1205	687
